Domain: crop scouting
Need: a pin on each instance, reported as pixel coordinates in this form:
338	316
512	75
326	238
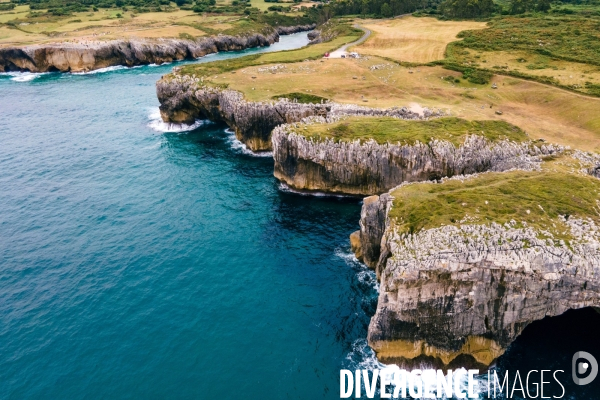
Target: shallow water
147	260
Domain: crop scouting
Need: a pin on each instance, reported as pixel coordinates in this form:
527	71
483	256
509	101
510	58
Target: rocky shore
88	56
458	295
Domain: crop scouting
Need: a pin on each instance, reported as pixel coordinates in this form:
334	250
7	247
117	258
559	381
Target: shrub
477	76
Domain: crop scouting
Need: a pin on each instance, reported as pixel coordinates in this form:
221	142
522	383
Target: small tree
467	8
521	6
365	7
386	10
543	5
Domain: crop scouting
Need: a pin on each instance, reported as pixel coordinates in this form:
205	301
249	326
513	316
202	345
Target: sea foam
22	76
156	123
242	148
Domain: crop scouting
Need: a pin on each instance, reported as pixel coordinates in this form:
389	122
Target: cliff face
78	57
184	99
459	295
371	168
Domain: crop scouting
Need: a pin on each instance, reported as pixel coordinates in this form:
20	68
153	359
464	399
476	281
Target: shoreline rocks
458	295
88	56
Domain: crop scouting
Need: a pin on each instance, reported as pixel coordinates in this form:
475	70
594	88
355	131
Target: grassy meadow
542	111
393	130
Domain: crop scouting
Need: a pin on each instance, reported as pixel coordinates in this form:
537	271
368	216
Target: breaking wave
285	188
242	148
156	123
22	76
101	70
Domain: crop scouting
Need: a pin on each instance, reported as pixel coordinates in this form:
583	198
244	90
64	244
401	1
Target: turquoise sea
141	260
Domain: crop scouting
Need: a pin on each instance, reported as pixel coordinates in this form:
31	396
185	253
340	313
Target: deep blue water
143	264
138	262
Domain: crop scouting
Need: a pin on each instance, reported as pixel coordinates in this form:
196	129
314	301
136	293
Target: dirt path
343	50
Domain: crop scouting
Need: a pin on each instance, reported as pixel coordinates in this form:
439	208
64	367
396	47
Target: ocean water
142	264
144	260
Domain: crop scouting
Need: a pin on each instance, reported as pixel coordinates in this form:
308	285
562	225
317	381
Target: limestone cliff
78	57
460	294
364	168
184	99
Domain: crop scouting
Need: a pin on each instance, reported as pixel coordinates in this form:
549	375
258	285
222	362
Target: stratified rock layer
364	168
87	56
460	295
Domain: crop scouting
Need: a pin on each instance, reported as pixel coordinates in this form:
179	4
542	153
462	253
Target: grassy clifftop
393	130
536	198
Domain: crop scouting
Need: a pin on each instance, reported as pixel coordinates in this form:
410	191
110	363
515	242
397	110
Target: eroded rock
365	168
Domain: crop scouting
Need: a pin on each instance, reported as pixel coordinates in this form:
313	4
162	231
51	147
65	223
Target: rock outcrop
87	56
458	295
365	168
184	99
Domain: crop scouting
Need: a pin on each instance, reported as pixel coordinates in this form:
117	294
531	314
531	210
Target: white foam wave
22	76
363	357
101	70
285	188
364	274
156	123
242	148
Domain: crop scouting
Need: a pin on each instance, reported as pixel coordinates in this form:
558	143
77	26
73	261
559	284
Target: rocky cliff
364	168
87	56
184	99
458	295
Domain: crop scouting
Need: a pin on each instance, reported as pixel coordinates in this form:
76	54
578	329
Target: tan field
412	39
543	111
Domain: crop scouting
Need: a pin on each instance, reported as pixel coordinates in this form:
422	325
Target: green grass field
536	198
557	50
393	130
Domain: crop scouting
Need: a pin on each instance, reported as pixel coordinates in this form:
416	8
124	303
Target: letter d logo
583	367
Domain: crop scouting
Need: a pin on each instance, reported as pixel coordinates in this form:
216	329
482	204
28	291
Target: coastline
90	56
406	327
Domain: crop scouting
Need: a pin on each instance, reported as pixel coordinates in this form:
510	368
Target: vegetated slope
343	34
563	51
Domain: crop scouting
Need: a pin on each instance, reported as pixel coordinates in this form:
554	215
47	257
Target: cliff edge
465	265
